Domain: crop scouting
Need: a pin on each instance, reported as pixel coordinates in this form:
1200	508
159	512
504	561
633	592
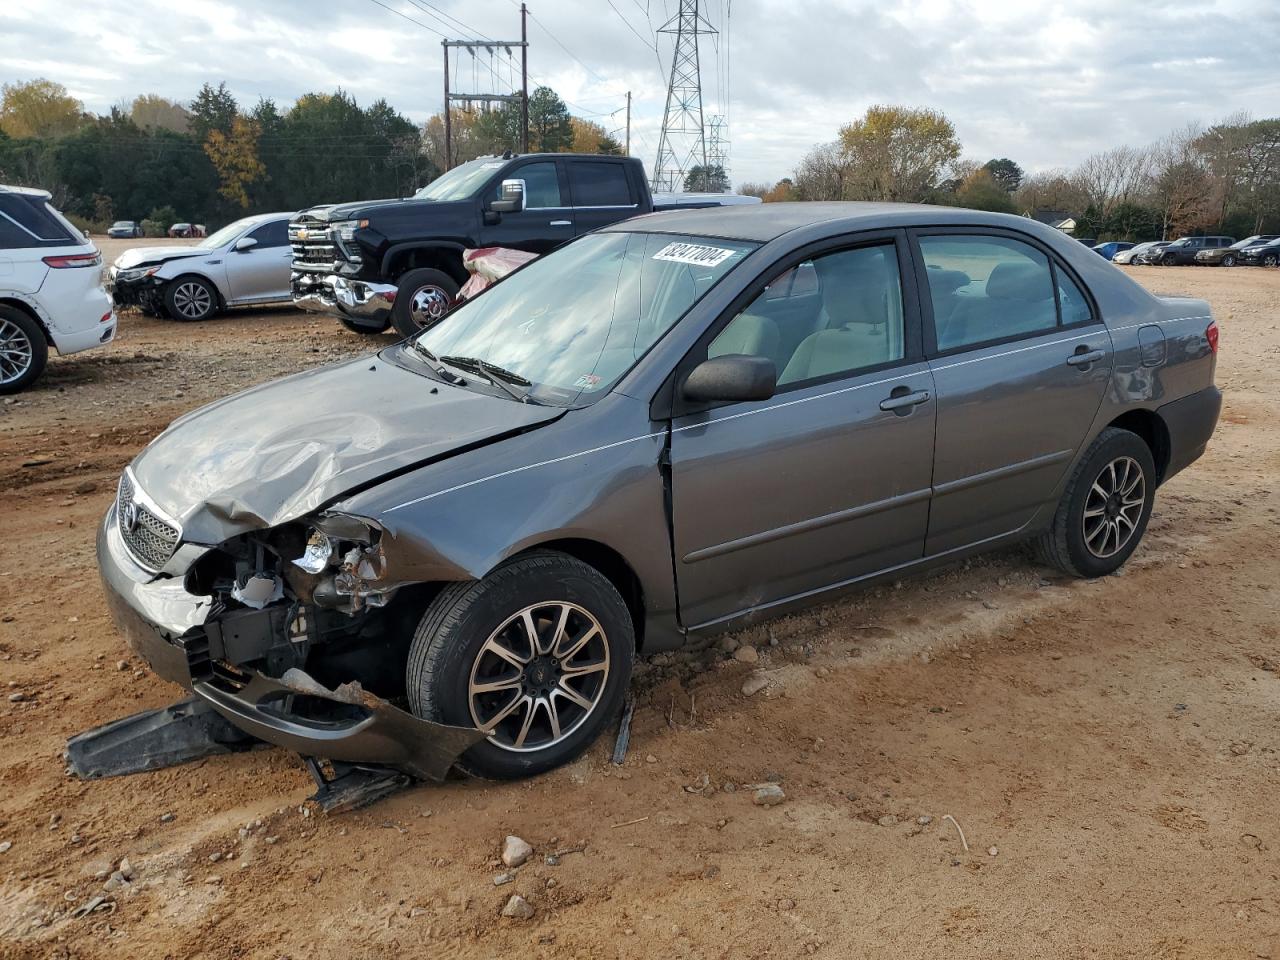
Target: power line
409	18
547	30
630	27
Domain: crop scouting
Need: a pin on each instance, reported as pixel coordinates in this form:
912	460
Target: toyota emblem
129	516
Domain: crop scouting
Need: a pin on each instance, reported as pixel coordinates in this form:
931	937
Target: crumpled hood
135	256
281	450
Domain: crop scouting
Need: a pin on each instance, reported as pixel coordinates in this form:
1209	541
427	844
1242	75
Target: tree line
212	160
1220	179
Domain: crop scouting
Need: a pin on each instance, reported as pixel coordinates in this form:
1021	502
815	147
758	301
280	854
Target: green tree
38	109
213	109
708	179
1005	172
980	190
897	153
550	129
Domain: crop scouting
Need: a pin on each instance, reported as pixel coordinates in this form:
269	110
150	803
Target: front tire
191	299
538	654
1104	509
23	350
1270	260
424	296
1229	260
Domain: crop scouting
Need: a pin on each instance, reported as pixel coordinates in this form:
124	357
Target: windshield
460	182
226	234
123	223
573	322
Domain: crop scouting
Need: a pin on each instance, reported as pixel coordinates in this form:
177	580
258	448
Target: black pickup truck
379	262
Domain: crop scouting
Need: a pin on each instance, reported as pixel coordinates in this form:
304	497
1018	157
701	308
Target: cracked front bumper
358	301
165	626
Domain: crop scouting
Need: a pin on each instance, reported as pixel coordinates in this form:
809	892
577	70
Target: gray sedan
673	426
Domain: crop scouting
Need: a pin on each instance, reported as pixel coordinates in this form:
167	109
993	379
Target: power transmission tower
718	147
683	142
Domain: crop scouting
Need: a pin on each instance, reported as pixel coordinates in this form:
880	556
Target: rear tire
190	299
23	350
1229	260
1270	260
1104	510
424	296
475	635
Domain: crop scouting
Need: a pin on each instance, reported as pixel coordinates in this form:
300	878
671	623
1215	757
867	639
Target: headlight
346	229
138	273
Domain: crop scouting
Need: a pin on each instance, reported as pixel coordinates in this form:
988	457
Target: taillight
74	260
1211	334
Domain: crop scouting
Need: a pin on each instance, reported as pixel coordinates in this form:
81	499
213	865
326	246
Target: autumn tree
1244	156
1182	185
823	174
38	108
897	153
980	190
153	112
235	156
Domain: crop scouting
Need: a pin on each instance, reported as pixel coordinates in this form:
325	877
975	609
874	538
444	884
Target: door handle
905	400
1086	358
561	223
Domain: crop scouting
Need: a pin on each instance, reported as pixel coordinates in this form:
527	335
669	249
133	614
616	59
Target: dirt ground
1109	748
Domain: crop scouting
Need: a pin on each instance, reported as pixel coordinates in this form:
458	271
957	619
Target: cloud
1041	81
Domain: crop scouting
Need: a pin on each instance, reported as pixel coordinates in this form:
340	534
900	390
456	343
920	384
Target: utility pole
628	123
718	148
487	100
524	79
683	142
448	120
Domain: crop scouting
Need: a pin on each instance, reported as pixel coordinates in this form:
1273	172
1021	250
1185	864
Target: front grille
313	247
150	539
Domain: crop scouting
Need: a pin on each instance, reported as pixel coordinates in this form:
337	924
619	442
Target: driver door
547	218
262	271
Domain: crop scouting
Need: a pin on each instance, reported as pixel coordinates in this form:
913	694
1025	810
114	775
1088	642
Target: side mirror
511	198
245	243
731	377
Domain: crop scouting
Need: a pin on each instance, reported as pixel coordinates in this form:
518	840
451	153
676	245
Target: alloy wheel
1114	506
1228	261
1269	260
16	353
428	304
192	300
539	676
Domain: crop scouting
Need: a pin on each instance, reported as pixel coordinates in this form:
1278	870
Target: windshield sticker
587	380
694	253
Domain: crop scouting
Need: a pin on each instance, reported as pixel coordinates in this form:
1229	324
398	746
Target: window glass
1072	304
987	288
599	184
835	314
576	320
541	184
33	218
274	234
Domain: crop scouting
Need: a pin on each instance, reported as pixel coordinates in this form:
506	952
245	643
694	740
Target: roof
28	191
768	221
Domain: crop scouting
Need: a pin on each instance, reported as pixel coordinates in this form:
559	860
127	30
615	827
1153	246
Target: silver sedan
246	262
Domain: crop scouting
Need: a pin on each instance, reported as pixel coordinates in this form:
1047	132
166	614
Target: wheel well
222	304
615	569
439	258
26	308
1152	429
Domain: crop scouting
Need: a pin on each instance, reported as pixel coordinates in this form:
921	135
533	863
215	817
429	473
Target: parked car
246	262
381	262
1089	242
51	291
1135	250
1230	256
1150	252
1183	250
180	230
658	432
1109	249
125	230
1260	255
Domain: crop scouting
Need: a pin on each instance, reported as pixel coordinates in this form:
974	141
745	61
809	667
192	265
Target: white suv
51	289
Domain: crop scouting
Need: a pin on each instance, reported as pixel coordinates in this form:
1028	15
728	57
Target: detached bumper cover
1191	422
356	300
160	621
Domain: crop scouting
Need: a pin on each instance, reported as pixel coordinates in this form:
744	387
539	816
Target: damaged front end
289	634
138	287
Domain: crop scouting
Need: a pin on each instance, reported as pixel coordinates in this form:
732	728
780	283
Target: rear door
1020	359
827	481
602	193
262	271
547	218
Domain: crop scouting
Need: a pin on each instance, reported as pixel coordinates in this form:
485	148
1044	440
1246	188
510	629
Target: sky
1044	82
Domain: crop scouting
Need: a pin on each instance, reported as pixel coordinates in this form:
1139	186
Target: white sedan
246	262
